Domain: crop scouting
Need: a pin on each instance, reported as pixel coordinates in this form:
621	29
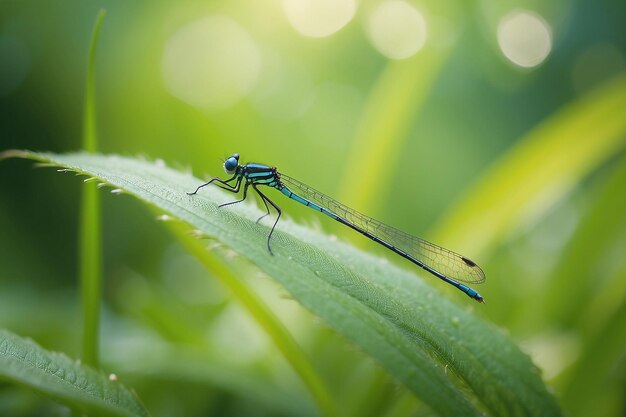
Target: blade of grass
65	380
263	315
90	137
453	361
391	107
590	387
539	170
588	293
90	233
596	236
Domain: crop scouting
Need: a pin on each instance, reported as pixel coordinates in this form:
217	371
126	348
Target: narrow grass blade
266	319
65	380
90	233
599	232
396	98
539	170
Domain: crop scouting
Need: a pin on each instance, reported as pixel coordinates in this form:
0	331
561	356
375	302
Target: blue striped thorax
261	174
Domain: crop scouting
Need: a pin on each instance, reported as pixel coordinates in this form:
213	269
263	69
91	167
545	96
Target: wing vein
447	262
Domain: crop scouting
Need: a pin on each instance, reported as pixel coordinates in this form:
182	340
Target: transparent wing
449	263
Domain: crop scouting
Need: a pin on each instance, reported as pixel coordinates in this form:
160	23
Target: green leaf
264	317
596	304
597	234
397	97
63	379
453	361
90	246
560	152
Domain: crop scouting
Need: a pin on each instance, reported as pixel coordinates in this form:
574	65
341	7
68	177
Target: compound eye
230	165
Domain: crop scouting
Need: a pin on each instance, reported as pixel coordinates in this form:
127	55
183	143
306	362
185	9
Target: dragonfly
449	266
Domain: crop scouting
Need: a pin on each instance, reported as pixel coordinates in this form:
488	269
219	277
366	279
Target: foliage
382	310
65	380
521	168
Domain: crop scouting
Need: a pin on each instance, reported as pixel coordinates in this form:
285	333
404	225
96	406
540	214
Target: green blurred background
494	128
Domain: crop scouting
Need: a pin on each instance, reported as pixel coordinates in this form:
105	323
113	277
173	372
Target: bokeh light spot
319	18
525	38
397	29
211	63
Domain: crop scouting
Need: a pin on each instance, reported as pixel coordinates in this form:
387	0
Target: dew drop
209	246
117	191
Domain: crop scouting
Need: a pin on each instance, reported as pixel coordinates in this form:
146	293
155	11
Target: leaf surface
452	360
64	379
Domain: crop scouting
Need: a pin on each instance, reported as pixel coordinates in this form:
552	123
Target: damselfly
442	263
